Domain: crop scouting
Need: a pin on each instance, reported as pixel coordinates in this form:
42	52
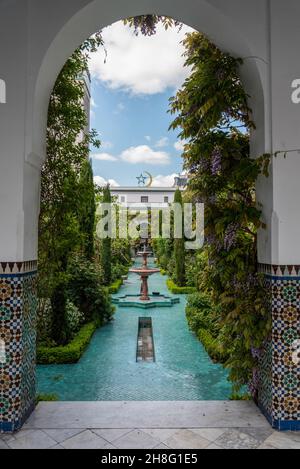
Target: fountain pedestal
144	272
145	300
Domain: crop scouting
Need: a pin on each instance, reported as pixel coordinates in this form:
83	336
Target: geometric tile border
18	304
278	386
279	373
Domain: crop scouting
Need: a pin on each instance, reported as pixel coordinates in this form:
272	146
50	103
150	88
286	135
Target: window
123	199
166	200
144	199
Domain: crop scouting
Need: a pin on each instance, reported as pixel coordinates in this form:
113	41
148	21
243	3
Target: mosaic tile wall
279	389
279	380
18	302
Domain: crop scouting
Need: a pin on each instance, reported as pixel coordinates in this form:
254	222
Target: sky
130	99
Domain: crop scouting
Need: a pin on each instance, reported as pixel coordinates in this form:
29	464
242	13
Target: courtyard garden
216	332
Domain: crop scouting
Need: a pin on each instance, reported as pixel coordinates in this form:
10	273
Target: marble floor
148	425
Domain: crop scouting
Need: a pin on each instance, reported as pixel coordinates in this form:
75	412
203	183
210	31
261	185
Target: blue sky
130	94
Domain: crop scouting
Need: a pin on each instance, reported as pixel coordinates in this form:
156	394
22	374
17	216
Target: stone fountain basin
141	271
154	302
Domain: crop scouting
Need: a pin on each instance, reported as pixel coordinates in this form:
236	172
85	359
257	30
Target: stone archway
43	42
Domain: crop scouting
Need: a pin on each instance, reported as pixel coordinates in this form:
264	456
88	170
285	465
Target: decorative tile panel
279	391
18	303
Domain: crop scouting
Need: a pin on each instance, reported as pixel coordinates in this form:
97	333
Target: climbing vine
212	112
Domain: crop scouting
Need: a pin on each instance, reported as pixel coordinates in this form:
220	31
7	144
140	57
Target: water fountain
144	272
145	300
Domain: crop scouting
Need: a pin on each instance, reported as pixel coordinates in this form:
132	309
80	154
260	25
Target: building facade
144	196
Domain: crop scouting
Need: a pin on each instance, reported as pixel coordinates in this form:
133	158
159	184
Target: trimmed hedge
115	286
203	319
70	353
46	398
212	346
179	290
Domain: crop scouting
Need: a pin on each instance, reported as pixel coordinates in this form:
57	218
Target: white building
144	196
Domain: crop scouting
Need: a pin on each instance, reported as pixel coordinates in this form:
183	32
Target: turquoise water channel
108	370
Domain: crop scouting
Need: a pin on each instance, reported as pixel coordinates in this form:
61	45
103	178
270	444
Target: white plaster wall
36	38
134	197
15	200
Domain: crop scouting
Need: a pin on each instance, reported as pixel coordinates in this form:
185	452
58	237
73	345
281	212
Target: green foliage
75	319
66	191
203	320
118	270
60	332
195	263
211	110
70	353
177	290
164	251
179	249
240	397
115	286
106	244
147	24
46	398
87	205
87	292
212	346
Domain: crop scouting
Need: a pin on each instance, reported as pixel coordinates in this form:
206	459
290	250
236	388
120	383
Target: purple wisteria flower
213	241
204	164
245	285
256	353
210	239
216	162
230	236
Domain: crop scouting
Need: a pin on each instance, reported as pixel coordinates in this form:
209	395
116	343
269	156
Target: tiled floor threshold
148	425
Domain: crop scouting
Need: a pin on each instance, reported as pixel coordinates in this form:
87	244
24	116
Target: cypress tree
87	210
106	244
179	250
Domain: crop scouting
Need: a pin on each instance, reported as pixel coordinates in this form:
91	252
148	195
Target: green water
108	370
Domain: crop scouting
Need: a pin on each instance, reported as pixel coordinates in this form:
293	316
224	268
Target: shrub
75	318
86	291
212	346
106	243
44	316
46	398
199	313
70	353
179	249
115	287
179	290
203	319
118	270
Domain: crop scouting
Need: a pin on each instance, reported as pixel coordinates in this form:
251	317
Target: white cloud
103	157
179	146
101	182
148	138
164	181
163	142
144	154
141	65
